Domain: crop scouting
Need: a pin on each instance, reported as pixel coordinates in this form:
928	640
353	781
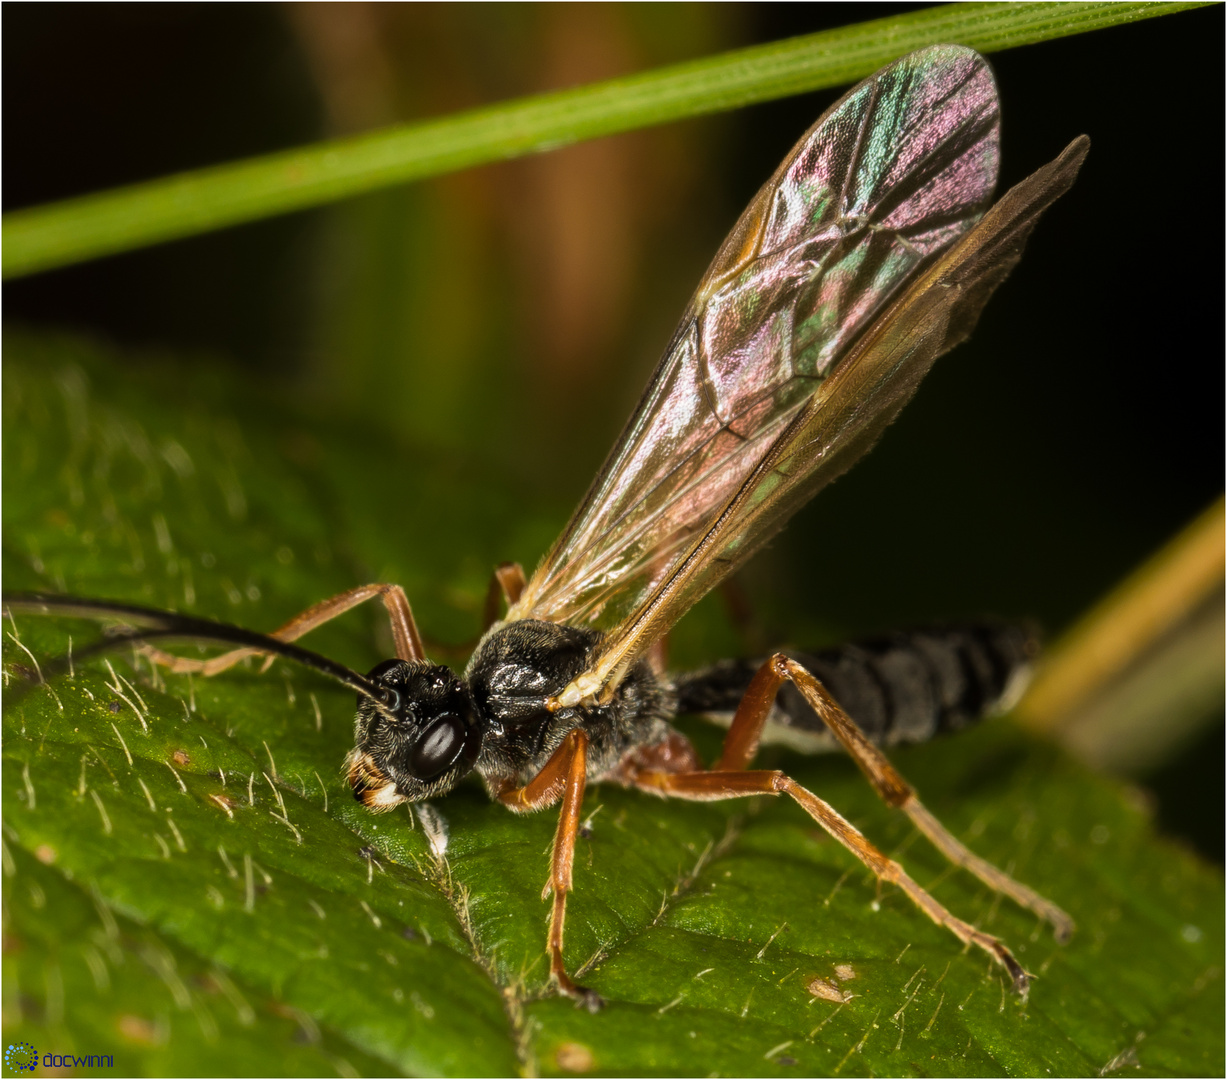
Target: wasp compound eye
437	748
416	739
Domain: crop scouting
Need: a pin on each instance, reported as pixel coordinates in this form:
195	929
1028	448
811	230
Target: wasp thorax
414	741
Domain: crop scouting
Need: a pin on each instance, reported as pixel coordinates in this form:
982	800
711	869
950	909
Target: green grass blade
79	229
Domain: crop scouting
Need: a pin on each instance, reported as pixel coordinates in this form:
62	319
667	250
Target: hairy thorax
519	665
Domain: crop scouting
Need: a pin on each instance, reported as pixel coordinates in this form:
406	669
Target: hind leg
741	744
708	786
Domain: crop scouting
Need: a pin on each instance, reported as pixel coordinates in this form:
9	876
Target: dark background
1080	429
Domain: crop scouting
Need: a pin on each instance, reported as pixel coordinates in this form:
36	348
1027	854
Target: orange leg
508	582
405	634
704	786
657	656
508	578
728	781
741	743
563	776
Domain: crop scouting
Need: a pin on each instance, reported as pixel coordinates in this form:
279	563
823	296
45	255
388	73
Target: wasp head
416	739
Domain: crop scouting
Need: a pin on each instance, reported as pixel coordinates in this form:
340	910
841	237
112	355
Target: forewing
890	176
848	412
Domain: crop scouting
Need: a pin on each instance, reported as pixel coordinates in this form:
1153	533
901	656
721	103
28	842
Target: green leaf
63	233
191	888
83	978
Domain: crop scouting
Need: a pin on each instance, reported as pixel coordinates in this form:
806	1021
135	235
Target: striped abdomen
900	688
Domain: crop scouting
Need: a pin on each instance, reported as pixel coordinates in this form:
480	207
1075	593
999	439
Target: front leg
405	636
563	776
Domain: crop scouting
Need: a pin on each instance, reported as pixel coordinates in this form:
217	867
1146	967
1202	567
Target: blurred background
510	315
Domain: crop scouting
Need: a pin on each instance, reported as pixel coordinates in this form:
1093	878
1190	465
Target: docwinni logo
21	1057
69	1061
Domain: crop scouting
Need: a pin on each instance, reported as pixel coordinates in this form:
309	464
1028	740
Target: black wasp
869	253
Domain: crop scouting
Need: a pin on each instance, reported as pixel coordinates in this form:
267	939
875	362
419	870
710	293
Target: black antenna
147	624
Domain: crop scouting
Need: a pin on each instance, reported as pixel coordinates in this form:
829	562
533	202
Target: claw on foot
581	995
1021	979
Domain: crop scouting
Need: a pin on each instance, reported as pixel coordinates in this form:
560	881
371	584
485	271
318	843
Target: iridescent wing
847	413
889	177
